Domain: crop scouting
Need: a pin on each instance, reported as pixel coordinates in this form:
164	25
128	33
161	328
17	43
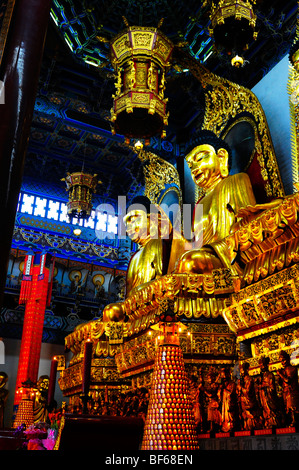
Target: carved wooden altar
260	309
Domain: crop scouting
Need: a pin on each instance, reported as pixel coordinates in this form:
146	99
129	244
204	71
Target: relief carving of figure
250	410
272	413
288	375
228	397
213	403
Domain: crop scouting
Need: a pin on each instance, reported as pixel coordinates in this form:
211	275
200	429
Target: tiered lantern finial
232	26
80	187
140	57
25	414
170	422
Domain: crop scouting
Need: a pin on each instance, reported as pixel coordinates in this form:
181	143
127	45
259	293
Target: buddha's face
136	223
207	166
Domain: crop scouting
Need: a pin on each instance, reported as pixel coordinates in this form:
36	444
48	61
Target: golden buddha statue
147	263
227	199
158	248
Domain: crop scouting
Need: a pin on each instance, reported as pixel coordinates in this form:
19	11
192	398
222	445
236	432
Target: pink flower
35	444
49	444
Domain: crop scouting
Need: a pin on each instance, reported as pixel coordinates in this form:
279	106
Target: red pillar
19	71
35	296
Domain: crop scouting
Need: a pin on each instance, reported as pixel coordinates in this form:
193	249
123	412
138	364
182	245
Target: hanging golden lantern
140	57
80	187
233	26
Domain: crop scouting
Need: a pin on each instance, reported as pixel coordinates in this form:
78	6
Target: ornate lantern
80	187
232	26
140	57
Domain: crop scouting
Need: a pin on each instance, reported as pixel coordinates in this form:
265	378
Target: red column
36	302
19	71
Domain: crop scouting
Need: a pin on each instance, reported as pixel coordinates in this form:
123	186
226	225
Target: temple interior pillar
19	72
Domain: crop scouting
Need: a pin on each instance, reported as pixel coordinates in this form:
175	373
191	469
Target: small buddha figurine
269	400
250	409
229	402
213	402
227	204
289	377
40	404
3	396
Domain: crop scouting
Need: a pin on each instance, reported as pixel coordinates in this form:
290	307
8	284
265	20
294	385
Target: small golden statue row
223	402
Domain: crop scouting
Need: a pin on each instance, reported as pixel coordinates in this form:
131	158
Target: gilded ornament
224	101
143	54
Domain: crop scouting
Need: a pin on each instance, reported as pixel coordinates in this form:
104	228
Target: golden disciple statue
288	377
147	263
226	198
269	400
228	396
250	409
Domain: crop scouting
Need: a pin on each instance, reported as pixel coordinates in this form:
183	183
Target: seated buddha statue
159	245
217	213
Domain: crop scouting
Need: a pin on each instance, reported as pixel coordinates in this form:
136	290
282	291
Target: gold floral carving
142	40
293	91
186	289
159	174
270	343
266	300
137	355
270	242
116	332
70	380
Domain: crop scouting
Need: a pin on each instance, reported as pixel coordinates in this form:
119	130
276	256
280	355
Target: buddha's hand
113	312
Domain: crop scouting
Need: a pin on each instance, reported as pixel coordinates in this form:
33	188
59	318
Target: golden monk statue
288	376
227	198
147	263
267	391
158	249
